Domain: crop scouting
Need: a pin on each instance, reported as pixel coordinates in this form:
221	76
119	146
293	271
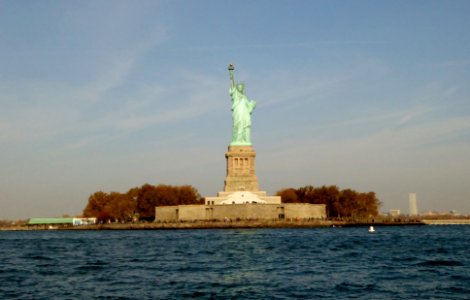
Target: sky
110	95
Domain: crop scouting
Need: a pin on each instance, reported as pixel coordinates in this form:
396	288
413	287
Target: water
414	262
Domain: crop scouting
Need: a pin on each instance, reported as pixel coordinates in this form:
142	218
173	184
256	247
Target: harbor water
401	262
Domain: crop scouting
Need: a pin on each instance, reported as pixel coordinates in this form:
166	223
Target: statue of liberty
241	112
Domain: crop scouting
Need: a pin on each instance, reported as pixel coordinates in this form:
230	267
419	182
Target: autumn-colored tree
306	194
166	195
339	203
347	203
150	196
187	194
121	207
146	201
96	204
328	196
367	204
288	195
133	193
114	206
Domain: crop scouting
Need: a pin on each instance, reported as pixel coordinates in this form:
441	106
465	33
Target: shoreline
243	224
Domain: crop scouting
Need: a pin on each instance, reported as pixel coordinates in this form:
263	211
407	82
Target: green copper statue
241	112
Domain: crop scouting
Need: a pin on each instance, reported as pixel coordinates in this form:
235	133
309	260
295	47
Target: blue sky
109	95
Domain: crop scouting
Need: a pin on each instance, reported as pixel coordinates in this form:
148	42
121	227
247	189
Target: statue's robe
241	111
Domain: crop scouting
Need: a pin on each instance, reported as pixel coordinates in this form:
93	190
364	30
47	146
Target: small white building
83	221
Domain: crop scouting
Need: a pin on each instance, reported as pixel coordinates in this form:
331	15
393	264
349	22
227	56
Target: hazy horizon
98	95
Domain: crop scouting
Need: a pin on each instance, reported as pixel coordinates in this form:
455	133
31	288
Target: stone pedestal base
241	169
241	183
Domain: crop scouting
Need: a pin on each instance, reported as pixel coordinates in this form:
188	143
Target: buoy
371	229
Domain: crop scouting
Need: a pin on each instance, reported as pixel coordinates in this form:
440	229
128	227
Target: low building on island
62	222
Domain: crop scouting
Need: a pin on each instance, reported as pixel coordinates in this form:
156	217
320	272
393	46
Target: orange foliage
339	203
138	202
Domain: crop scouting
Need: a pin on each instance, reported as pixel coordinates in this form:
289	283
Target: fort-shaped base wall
240	211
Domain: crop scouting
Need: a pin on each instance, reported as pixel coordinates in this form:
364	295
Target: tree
114	206
288	195
367	204
147	198
328	196
121	207
338	203
96	204
187	195
347	203
306	194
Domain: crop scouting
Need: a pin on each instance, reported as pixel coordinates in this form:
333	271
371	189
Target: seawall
219	225
447	222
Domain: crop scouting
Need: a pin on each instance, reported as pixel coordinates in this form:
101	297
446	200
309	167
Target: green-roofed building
53	223
50	221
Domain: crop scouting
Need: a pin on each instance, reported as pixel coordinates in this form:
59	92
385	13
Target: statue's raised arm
241	112
230	70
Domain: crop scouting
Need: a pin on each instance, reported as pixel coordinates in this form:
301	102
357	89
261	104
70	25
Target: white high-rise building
413	204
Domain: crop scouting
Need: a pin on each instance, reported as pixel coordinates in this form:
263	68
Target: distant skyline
109	95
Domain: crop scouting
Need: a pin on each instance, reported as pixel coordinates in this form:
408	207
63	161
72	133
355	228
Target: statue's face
240	87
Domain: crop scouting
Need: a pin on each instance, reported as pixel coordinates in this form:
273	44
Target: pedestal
241	174
241	183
